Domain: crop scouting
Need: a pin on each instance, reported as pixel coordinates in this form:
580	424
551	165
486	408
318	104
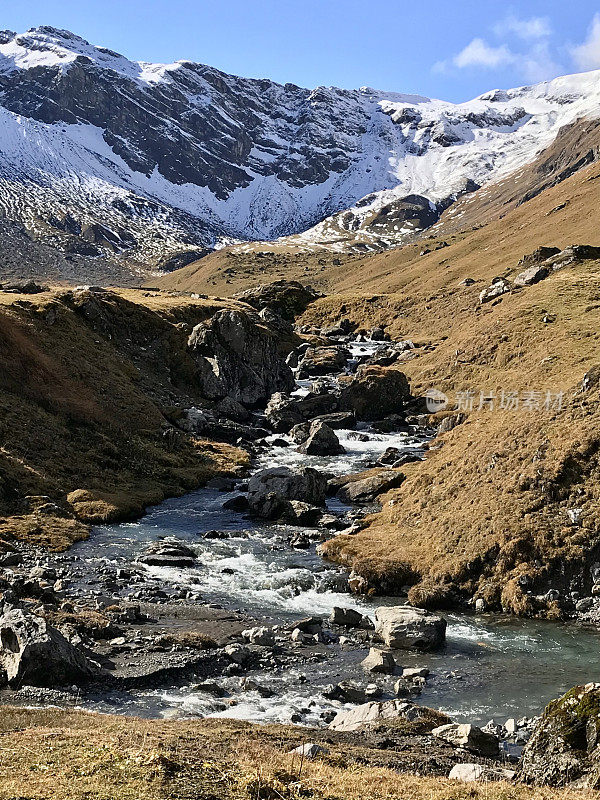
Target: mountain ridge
154	165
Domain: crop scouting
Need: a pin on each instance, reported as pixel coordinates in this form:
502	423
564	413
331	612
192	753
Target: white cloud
587	55
532	60
538	65
532	28
479	53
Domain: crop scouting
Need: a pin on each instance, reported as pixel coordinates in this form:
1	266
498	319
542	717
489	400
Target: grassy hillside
492	500
88	385
487	514
73	755
553	200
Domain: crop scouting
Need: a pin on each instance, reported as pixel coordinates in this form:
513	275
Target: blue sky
452	50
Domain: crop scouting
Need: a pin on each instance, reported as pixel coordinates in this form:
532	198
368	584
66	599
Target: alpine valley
123	169
299	436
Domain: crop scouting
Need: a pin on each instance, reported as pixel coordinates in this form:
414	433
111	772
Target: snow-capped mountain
104	157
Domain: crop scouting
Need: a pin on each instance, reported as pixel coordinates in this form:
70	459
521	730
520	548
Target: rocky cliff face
104	158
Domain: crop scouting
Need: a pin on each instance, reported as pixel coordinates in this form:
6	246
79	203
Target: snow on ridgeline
250	159
50	47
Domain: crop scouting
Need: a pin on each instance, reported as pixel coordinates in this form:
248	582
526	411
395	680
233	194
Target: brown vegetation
88	386
73	755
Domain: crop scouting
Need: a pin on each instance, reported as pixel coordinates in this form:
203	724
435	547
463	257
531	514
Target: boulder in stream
379	661
374	392
323	361
349	618
168	553
407	628
270	489
321	441
283	413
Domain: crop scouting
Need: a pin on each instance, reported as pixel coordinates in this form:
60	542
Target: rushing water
491	666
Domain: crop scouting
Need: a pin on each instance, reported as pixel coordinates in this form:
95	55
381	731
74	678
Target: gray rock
470	737
349	618
321	441
237	653
499	287
338	419
450	422
414	672
262	636
373	712
239	359
379	661
374	392
304	513
34	653
169	553
270	489
309	625
364	488
468	773
283	413
288	299
323	361
309	750
532	275
299	433
405	627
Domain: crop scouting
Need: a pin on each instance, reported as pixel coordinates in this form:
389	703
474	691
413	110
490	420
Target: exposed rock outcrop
239	359
365	487
289	299
565	746
33	653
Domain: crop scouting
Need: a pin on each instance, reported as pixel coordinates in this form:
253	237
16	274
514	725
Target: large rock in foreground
371	713
469	737
35	654
270	490
405	628
239	359
565	746
374	392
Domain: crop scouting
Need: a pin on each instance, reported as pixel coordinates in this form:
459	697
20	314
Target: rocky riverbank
221	606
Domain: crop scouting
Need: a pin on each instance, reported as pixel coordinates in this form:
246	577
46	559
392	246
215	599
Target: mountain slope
150	165
492	229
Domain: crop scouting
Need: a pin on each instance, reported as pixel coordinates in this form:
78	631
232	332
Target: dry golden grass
492	498
87	388
487	233
58	755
